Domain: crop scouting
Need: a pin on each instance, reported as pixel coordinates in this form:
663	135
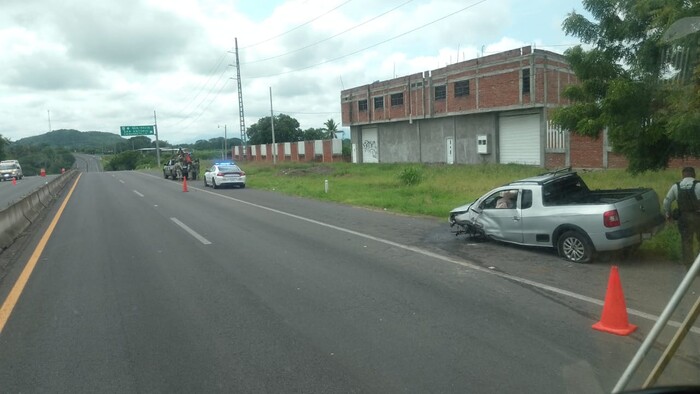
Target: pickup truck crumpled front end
459	211
464	218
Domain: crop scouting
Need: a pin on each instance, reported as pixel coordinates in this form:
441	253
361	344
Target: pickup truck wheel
165	175
576	247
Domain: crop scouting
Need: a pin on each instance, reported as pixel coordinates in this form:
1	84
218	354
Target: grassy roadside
434	189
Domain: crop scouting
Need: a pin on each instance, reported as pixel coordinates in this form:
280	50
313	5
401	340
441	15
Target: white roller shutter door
370	146
519	139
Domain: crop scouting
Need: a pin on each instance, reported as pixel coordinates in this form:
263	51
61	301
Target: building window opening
526	81
440	92
397	99
462	88
362	105
378	102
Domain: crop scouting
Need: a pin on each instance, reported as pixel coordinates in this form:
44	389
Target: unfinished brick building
490	109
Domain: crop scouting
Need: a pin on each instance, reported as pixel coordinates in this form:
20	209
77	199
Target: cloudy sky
95	65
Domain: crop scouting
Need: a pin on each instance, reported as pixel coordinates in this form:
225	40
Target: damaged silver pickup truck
558	210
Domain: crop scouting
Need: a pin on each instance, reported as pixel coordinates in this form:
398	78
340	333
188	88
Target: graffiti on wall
369	149
370	145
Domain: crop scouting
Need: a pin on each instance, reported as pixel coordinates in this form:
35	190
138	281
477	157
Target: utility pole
155	128
241	116
272	123
224	154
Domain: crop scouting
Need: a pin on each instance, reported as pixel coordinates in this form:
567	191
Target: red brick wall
280	152
538	85
379	113
363	116
327	151
688	162
586	152
309	149
499	77
348	113
616	160
462	103
499	90
268	149
439	106
418	100
554	160
397	111
294	148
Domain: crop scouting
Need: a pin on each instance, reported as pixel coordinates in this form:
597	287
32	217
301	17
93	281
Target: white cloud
97	65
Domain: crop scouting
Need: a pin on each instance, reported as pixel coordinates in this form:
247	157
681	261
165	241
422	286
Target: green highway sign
136	130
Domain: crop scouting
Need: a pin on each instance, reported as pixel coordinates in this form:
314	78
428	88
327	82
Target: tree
35	157
631	83
202	145
3	142
331	129
286	130
125	161
312	134
140	142
216	143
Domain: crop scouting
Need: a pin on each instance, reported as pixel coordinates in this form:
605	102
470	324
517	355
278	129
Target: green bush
130	160
410	176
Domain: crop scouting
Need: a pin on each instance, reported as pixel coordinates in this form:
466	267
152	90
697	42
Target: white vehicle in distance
10	169
222	174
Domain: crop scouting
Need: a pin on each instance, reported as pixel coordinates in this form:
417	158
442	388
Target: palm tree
331	129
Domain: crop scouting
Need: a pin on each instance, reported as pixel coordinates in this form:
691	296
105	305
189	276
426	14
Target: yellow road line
17	289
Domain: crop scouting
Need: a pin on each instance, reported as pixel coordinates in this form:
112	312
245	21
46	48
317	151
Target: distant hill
74	139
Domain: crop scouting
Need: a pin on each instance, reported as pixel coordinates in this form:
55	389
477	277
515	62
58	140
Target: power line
211	73
307	113
192	120
331	37
321	63
218	66
371	46
297	27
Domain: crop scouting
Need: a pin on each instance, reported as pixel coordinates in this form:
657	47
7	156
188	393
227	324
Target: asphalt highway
137	286
10	192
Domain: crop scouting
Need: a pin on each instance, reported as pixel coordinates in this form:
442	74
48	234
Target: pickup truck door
504	224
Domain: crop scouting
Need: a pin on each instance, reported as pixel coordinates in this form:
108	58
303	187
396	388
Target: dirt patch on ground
315	170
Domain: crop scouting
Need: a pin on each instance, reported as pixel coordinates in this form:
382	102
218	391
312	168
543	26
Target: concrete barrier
17	217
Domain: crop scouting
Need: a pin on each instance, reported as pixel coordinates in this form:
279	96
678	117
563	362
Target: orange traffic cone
14	181
184	184
614	318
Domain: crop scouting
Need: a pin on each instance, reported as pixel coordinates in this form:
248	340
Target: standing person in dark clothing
686	193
